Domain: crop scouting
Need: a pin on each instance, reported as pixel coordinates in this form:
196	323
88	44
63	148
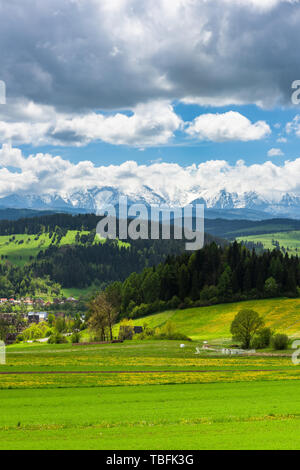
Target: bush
141	311
263	339
174	302
35	332
57	338
209	293
146	334
280	342
168	331
126	330
75	338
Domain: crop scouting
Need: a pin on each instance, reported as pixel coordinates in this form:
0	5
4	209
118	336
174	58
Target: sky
133	92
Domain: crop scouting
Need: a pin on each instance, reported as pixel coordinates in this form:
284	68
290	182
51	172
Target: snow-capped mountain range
221	204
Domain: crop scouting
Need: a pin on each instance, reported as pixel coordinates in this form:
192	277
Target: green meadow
188	417
209	323
20	249
289	240
166	398
155	394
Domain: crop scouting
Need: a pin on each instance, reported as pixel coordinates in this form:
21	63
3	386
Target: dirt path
138	372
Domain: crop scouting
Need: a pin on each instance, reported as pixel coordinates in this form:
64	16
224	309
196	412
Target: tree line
212	275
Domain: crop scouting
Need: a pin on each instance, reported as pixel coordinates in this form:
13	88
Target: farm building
138	330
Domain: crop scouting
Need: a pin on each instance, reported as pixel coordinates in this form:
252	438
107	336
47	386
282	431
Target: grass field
212	403
22	247
77	293
214	416
288	240
209	323
155	394
19	250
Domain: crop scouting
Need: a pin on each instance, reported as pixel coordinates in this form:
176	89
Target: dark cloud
77	55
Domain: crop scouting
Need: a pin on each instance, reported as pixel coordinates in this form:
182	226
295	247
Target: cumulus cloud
227	127
47	174
83	55
275	153
149	124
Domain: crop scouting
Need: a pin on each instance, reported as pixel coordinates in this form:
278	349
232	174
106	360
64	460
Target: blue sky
185	150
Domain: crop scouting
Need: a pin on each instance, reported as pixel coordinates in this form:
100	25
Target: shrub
263	339
147	333
57	338
182	306
208	293
188	302
280	342
35	332
141	311
168	331
126	330
75	338
174	302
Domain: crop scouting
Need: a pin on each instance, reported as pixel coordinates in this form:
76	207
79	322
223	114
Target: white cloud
275	153
227	127
282	140
150	124
47	174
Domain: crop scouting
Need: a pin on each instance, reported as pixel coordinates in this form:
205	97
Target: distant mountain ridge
218	204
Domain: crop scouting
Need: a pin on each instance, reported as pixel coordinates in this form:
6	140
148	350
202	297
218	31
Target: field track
134	372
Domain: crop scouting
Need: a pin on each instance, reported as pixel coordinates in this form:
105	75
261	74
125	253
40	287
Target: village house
16	325
42	316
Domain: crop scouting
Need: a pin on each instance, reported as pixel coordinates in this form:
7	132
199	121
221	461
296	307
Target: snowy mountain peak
98	198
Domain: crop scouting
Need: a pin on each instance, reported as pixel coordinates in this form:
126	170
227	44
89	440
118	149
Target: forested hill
210	276
66	250
48	223
81	265
229	229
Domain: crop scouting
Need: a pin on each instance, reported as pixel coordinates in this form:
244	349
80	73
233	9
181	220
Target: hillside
209	323
286	241
21	248
232	229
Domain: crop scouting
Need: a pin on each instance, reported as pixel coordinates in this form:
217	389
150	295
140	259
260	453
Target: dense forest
16	281
81	265
48	223
212	275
